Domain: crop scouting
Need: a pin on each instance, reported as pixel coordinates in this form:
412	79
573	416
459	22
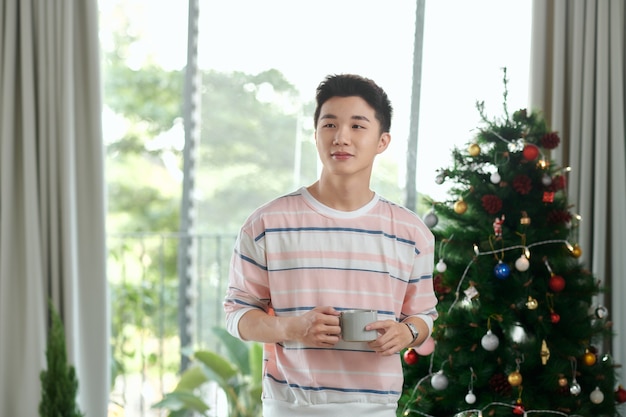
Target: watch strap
413	330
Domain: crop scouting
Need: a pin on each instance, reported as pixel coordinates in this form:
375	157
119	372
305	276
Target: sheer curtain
52	206
577	79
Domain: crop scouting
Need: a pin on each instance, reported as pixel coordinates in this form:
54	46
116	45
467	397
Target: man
335	245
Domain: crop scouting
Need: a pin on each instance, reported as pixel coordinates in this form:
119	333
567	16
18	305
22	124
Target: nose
342	136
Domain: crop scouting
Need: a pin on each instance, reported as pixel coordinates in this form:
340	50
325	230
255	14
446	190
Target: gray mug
353	324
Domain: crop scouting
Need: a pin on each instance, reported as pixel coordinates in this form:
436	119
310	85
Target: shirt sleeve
248	287
420	299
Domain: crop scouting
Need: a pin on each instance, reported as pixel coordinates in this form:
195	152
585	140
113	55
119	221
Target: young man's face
348	135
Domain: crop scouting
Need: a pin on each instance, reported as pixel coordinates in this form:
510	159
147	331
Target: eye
328	125
358	127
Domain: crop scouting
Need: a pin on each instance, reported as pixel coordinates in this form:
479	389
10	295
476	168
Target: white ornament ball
470	398
495	178
596	396
441	266
546	180
439	179
439	381
522	264
490	341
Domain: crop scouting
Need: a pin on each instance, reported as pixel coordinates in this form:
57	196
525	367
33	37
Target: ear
383	142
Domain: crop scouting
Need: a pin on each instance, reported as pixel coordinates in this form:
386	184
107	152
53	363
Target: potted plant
59	384
238	373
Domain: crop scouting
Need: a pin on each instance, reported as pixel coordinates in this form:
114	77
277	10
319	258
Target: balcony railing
150	311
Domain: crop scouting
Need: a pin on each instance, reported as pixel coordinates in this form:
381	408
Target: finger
391	350
380	325
386	345
332	330
328	340
327	310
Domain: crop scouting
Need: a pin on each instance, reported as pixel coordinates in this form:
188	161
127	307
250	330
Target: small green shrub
59	384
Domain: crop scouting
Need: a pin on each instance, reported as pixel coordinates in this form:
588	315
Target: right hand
318	327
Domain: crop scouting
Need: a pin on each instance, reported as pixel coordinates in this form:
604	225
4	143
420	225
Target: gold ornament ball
589	359
460	207
515	379
576	251
532	303
474	149
563	382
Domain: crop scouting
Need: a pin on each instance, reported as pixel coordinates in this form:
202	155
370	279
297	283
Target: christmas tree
519	330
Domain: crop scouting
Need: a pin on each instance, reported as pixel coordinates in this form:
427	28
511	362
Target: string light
494	252
475	412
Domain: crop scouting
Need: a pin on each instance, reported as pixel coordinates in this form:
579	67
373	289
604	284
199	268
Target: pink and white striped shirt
294	254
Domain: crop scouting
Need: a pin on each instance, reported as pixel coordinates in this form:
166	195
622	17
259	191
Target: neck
341	196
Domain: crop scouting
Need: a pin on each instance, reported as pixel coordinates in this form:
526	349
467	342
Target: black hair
349	85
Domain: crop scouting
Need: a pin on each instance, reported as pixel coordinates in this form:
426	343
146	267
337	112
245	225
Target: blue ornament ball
502	270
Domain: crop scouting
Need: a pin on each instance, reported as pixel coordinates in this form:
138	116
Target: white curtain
52	205
577	80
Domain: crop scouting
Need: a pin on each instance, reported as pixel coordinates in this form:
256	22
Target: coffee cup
353	324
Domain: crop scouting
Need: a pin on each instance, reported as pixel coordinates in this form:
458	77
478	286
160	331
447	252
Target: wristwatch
414	332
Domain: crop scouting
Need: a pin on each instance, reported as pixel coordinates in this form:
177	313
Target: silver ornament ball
490	341
602	312
439	381
431	219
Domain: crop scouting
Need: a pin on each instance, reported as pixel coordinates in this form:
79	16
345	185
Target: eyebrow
355	117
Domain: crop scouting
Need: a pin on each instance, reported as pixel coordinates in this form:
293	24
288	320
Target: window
466	45
304	41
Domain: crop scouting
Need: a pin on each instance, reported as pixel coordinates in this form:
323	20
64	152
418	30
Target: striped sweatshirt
294	254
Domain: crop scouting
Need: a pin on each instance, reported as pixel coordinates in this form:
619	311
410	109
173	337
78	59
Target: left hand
393	336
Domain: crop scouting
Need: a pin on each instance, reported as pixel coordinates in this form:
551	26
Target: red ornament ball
410	356
555	317
620	395
556	283
530	152
559	182
519	410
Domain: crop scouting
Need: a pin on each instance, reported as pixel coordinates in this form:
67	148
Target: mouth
341	155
